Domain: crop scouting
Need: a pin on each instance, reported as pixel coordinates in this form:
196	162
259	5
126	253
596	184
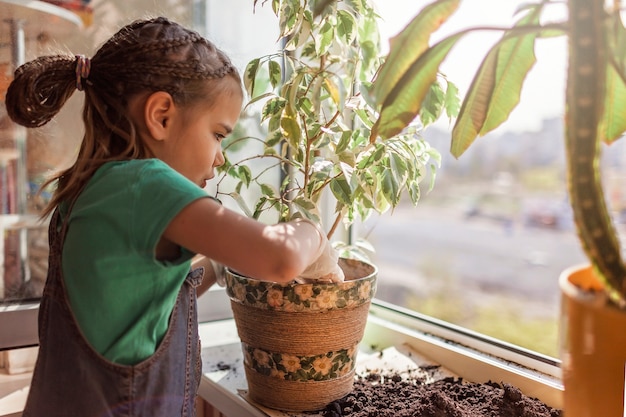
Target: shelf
40	20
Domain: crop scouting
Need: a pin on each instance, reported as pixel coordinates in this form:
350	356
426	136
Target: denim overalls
73	380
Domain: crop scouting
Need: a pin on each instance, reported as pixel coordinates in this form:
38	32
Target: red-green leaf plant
317	115
595	101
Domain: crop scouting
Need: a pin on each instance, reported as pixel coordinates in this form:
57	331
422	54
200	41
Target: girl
117	326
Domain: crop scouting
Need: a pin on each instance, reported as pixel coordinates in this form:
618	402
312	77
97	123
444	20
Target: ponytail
40	88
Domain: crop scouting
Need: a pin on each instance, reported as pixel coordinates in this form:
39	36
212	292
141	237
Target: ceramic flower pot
593	347
300	341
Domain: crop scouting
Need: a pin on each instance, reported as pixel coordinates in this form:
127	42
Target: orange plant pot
593	347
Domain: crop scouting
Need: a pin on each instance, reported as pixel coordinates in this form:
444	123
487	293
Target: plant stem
307	154
335	225
586	84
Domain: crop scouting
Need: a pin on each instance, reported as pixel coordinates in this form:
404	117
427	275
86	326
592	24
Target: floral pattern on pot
294	297
289	367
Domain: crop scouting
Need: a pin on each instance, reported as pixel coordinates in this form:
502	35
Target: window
485	247
482	250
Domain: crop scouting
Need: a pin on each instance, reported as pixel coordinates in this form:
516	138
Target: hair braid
144	56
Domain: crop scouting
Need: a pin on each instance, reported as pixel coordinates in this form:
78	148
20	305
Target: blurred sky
544	89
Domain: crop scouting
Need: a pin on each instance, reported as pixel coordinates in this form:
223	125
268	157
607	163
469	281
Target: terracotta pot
300	341
593	347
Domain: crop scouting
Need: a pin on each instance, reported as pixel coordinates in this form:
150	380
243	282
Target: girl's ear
158	112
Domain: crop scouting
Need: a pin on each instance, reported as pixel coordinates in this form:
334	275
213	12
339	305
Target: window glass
485	247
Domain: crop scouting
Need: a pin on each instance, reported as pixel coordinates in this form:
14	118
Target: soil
378	395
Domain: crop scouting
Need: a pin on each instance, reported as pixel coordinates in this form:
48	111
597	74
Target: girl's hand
325	267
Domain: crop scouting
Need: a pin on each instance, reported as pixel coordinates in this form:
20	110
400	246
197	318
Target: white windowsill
473	358
13	391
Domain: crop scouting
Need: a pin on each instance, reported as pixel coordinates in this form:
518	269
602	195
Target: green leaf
346	25
474	109
290	15
403	102
414	192
290	91
347	157
409	44
304	203
364	117
241	203
613	122
344	141
516	56
369	52
333	90
258	98
617	42
273	139
232	172
390	187
398	167
307	208
341	190
249	78
275	72
372	158
496	88
268	190
326	37
259	208
289	127
308	49
274	123
357	5
432	104
273	107
269	151
244	174
347	171
451	101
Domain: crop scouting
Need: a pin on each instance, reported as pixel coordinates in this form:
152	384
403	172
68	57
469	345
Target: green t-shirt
120	294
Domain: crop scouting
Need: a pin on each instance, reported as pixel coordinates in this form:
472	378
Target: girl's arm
269	252
209	278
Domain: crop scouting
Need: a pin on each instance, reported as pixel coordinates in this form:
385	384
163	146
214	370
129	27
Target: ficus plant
595	100
317	114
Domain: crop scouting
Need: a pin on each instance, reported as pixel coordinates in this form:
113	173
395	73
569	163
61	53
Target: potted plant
594	349
300	339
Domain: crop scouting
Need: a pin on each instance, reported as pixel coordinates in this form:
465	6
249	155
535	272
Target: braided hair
145	56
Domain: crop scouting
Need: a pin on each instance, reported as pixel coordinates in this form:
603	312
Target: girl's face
195	145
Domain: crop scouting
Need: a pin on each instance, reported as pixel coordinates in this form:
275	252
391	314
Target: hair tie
83	66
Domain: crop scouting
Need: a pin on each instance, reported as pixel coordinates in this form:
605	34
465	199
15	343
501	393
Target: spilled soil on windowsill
393	395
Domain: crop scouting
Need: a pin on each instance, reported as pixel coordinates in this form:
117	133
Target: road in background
420	250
